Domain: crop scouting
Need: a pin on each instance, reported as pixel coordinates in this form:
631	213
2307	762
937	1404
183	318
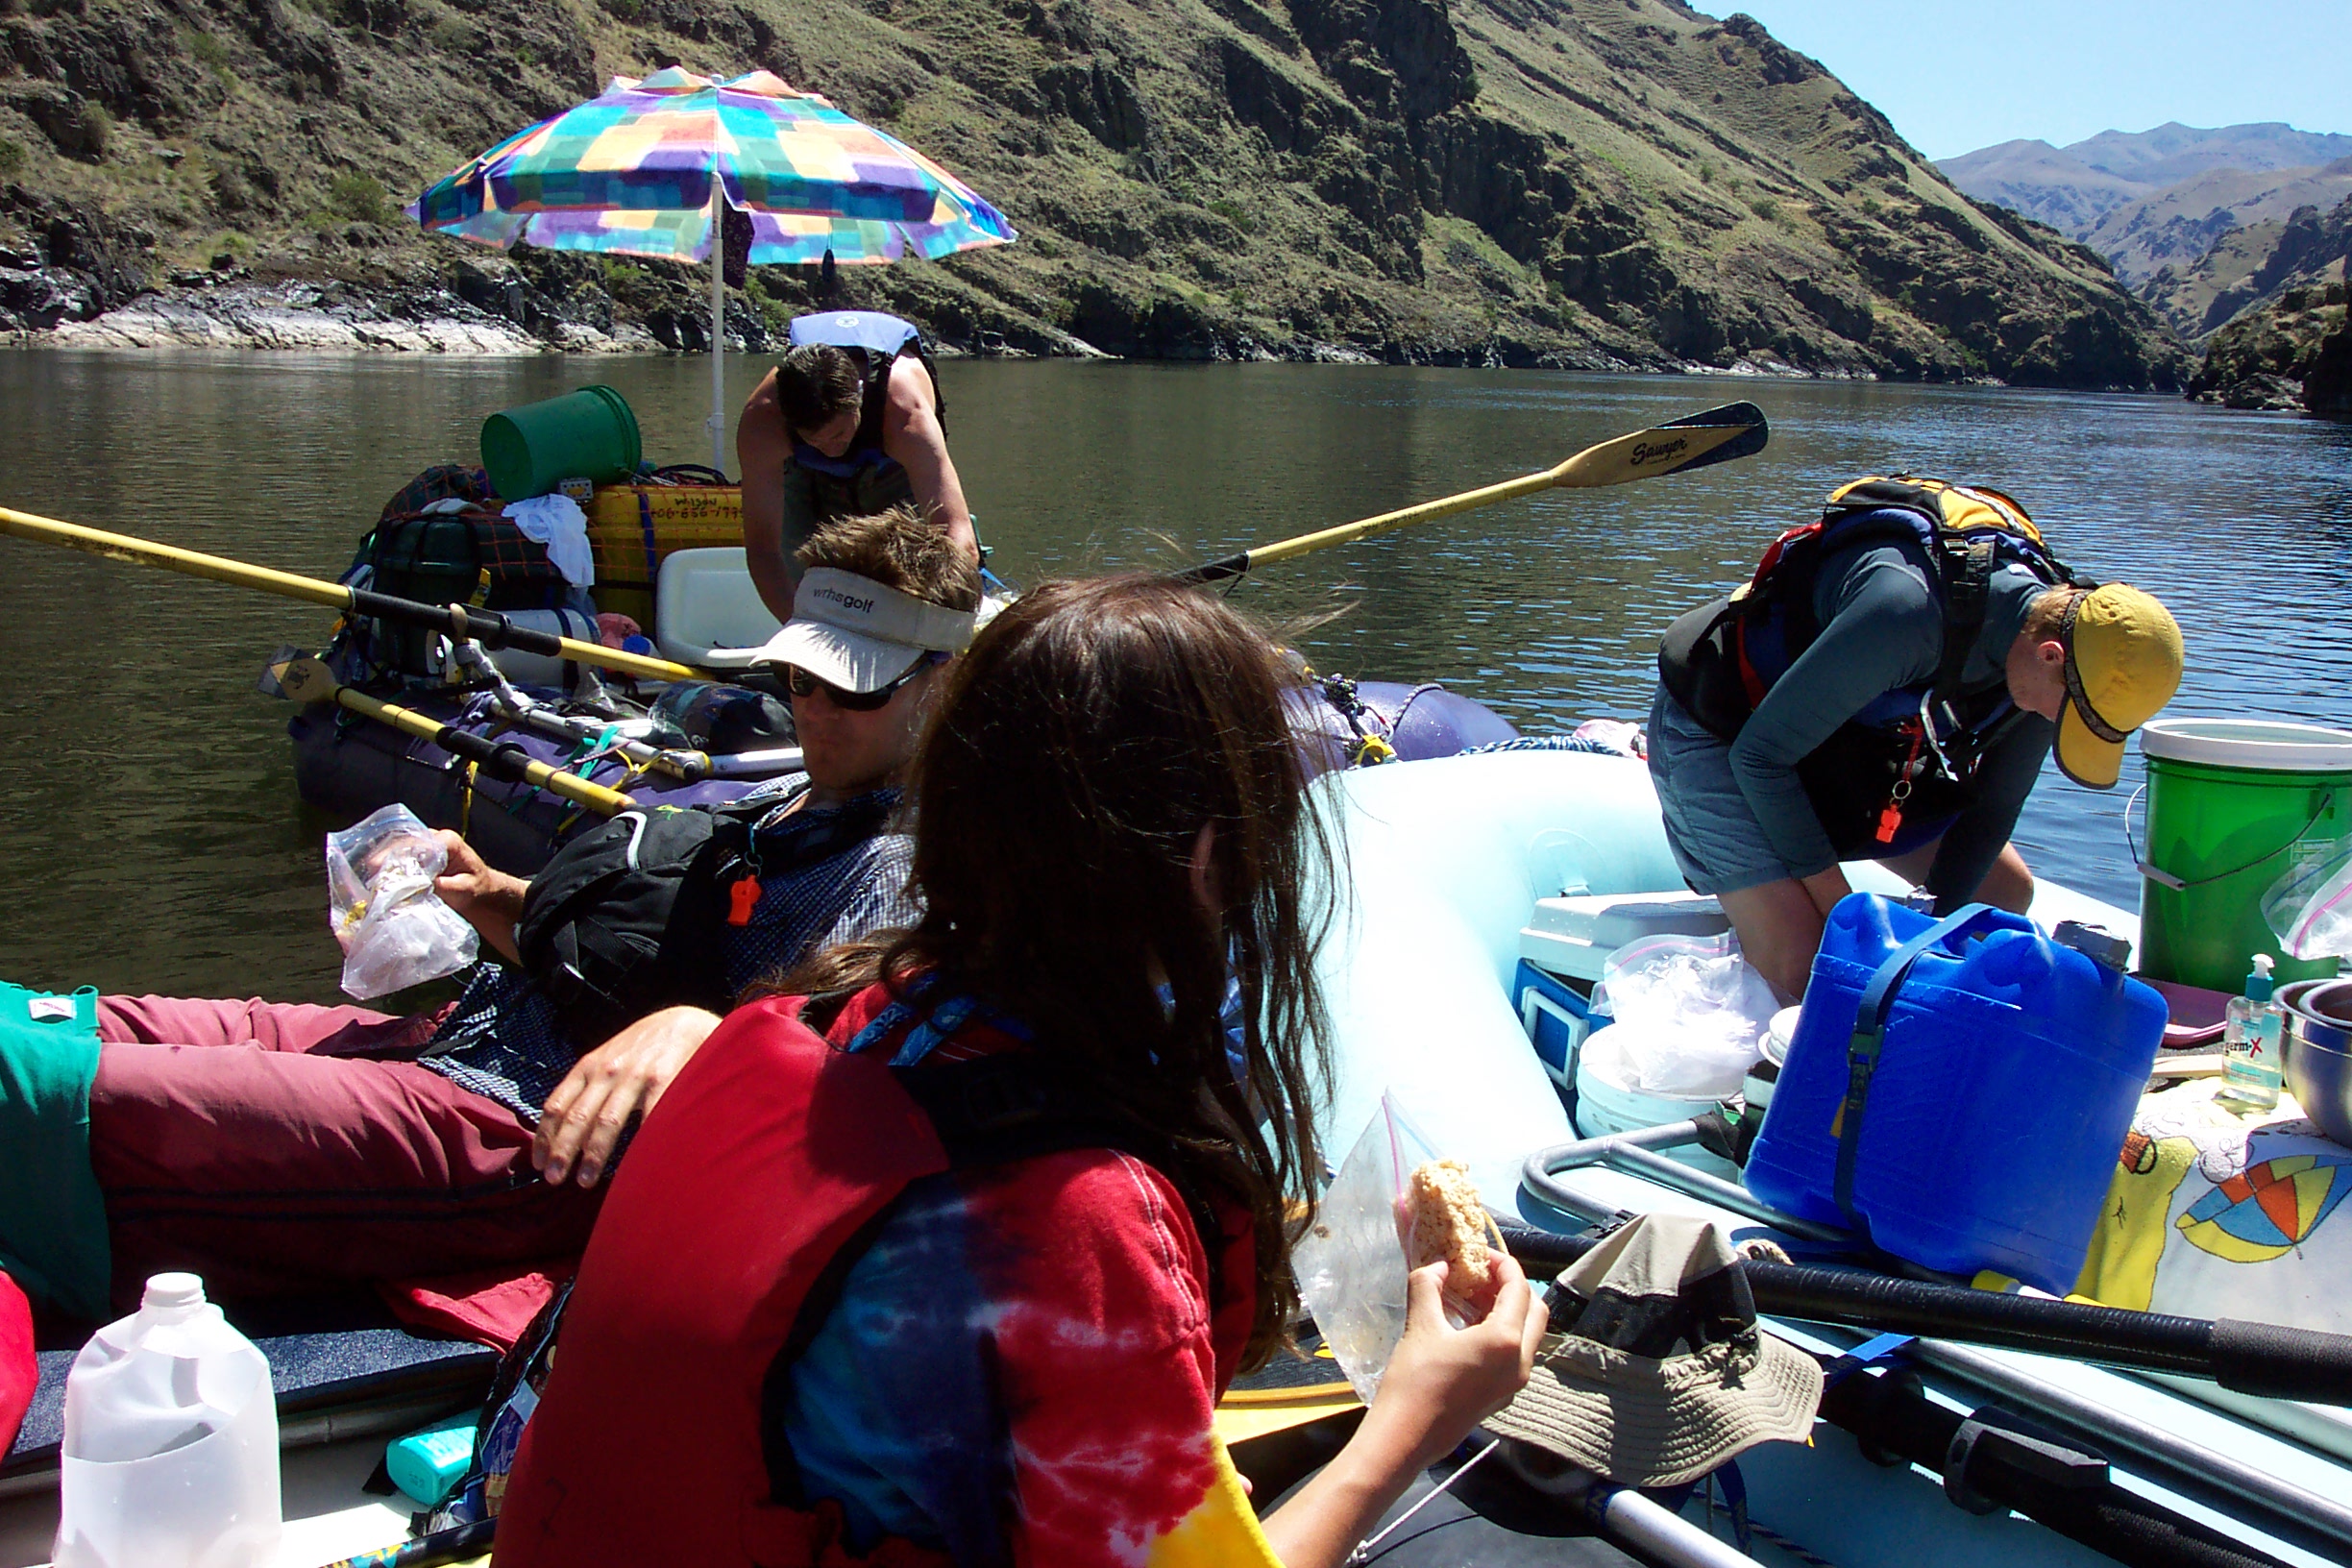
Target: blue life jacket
875	340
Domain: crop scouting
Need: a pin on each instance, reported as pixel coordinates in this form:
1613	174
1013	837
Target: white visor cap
854	633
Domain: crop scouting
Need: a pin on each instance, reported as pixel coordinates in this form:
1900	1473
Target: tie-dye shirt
1023	1367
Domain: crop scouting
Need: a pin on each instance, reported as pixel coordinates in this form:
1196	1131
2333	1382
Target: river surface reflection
149	834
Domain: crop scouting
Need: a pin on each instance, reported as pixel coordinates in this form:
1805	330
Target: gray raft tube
2288	1364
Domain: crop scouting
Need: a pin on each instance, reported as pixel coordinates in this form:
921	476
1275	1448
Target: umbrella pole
718	332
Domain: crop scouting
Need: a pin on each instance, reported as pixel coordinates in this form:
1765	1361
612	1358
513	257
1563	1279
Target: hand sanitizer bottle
2252	1045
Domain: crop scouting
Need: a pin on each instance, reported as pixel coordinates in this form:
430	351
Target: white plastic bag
394	930
1351	1263
2310	908
1689	1013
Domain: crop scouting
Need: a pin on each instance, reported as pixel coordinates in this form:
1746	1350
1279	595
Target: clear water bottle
171	1441
2253	1044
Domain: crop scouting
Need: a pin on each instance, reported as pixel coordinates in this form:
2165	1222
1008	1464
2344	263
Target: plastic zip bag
394	930
2310	908
1689	1015
1351	1263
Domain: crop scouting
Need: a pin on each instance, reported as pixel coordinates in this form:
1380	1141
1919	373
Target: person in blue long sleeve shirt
1879	741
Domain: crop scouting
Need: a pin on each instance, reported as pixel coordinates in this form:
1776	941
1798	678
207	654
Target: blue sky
1957	77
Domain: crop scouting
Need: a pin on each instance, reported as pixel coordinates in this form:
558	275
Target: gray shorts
1716	840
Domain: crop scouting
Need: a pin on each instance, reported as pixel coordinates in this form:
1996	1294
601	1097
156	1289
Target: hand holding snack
1441	1219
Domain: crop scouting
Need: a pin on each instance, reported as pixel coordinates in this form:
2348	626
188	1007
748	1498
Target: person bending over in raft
282	1150
849	424
952	1266
1885	688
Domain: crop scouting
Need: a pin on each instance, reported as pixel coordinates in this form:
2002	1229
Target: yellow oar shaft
1469	501
195	563
571	786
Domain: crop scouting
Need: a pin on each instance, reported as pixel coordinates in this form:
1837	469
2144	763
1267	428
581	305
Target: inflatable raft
1445	861
349	766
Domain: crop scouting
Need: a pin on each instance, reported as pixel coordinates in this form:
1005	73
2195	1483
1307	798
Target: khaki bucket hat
1661	1373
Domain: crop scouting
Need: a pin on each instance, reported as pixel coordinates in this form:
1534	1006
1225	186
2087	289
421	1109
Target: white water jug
171	1441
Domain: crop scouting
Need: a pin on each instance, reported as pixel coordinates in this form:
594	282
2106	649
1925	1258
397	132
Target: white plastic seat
706	611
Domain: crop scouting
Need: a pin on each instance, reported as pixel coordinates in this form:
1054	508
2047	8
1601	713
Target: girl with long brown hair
1005	1345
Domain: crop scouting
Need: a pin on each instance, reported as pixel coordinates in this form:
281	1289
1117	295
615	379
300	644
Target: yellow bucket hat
2123	664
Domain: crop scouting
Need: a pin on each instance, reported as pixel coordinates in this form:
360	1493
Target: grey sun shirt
1882	629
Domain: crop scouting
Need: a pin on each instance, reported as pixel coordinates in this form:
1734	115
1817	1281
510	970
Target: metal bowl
2318	1050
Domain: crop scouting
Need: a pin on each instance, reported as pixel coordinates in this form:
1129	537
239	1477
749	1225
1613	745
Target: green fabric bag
52	1225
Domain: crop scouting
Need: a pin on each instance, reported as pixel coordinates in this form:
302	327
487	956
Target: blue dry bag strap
653	541
1870	1034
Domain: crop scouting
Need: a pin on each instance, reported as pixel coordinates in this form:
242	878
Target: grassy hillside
2291	346
1574	182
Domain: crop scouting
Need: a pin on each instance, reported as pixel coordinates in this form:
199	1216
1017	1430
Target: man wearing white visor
858	657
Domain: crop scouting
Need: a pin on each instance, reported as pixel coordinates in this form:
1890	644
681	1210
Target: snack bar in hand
1443	1218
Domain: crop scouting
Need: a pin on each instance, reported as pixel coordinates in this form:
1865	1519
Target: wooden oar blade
298	677
1718	435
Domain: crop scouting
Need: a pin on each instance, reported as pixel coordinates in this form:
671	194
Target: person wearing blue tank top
849	424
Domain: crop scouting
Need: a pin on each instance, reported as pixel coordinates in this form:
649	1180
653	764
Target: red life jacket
648	1445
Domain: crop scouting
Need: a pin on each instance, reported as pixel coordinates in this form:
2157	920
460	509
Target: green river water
150	838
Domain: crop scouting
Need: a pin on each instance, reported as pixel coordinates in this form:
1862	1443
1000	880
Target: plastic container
2007	1077
170	1456
546	669
1556	1018
1574	936
1757	1088
2254	1044
589	435
2233	805
429	1464
1606	1105
632	528
706	603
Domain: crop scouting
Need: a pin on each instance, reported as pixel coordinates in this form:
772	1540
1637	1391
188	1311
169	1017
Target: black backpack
629	918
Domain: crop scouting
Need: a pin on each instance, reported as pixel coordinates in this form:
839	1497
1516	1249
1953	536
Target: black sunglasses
801	683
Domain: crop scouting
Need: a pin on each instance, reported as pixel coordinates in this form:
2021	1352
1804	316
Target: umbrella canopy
645	152
640	170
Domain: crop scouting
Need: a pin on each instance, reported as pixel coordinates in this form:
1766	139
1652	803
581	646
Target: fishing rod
304	679
1718	435
489	627
2259	1358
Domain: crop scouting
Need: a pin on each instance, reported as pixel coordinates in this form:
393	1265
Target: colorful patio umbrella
641	169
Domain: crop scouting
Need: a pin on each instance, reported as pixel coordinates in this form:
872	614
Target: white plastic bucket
1604	1105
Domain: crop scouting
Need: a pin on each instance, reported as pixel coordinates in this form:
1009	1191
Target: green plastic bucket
588	435
2234	804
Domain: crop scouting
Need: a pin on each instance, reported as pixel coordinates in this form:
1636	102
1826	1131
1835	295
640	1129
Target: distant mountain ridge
2172	152
2075	188
2239	237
